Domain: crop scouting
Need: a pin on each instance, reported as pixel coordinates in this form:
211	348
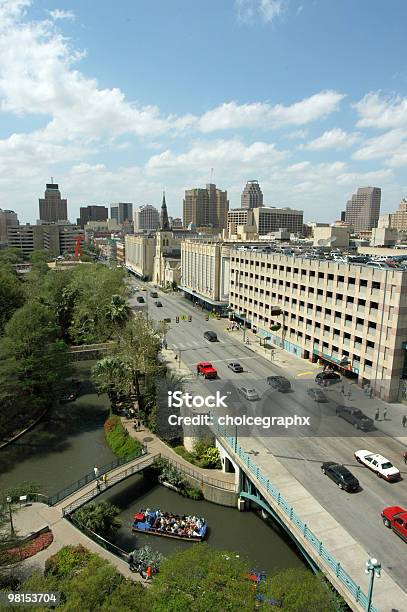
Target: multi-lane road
301	450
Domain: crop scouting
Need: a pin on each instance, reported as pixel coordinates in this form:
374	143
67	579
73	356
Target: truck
206	369
395	518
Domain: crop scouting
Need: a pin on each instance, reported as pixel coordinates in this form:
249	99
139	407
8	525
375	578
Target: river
69	441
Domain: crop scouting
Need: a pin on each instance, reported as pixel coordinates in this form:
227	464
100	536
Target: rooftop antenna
211	175
52	180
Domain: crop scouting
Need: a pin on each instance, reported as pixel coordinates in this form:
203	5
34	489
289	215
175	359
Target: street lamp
11	516
373	567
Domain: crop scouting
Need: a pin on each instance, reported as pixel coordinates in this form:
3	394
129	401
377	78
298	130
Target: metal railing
295	520
202	478
94	491
82	482
109	546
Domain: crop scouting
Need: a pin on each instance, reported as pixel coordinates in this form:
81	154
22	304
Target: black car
140	299
154	294
159	304
327	378
355	417
340	475
317	395
211	336
235	366
280	383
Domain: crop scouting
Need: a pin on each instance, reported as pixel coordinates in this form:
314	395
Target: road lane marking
304	374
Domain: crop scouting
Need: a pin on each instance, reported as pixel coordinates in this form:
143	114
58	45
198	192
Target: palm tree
109	377
117	310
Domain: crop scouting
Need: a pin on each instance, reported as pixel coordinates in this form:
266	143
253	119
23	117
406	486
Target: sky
120	100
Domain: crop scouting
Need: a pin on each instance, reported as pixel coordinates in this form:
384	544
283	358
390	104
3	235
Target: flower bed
33	547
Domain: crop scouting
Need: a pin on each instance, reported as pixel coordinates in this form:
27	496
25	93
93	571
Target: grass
119	439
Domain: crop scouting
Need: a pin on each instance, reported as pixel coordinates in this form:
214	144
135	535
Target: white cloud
332	139
231	115
266	10
380	111
366	178
62	14
271	9
296	135
391	145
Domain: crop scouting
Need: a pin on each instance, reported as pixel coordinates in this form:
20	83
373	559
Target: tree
109	377
202	579
12	296
118	310
10	256
99	517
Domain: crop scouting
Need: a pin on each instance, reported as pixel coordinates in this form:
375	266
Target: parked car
154	294
68	397
340	475
249	393
317	395
235	366
280	383
327	378
140	299
355	417
378	464
206	369
395	518
211	336
158	304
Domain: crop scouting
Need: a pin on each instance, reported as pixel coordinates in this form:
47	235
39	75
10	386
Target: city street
300	450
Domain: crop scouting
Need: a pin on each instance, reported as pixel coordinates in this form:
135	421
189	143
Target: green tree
118	310
202	579
109	377
12	296
10	256
99	517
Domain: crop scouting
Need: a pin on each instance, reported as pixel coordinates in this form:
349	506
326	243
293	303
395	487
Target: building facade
363	209
398	219
327	310
146	218
92	213
205	207
58	238
252	195
8	218
266	219
121	212
140	253
52	207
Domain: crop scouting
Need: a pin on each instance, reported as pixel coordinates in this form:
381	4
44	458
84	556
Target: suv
280	383
154	294
327	378
140	299
355	417
206	369
211	336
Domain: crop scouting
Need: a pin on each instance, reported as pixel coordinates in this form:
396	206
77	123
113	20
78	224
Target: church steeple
164	223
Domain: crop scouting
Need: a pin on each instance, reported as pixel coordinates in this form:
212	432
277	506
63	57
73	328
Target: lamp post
13	533
373	567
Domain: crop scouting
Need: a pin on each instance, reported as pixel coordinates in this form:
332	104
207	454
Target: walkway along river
70	441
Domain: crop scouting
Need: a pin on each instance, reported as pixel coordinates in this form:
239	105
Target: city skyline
72	108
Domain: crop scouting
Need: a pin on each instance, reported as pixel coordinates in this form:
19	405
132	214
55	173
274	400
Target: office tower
53	208
252	195
205	207
92	213
121	212
146	218
266	219
343	215
398	219
8	218
164	223
363	209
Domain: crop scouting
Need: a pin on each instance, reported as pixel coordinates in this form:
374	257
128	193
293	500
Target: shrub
67	561
119	439
193	493
100	518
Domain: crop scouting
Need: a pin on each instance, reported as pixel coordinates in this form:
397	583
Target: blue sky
118	100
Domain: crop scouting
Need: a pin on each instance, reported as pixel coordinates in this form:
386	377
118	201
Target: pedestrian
405	457
96	471
343	389
131	560
404	420
377	415
104	478
371	392
385	414
350	393
98	486
149	572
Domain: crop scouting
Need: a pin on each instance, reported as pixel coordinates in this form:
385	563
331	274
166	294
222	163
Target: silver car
249	393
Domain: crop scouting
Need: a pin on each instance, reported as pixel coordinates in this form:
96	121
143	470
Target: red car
395	518
206	369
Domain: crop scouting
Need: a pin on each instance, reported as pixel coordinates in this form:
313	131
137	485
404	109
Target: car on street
235	366
158	304
249	393
68	397
317	395
327	378
135	289
340	475
206	369
395	518
378	464
280	383
154	294
143	289
355	417
140	299
211	336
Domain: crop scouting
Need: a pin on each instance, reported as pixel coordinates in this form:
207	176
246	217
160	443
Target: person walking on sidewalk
405	457
96	471
404	420
104	479
377	415
385	414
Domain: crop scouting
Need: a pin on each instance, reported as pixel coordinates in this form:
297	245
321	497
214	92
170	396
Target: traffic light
177	319
189	318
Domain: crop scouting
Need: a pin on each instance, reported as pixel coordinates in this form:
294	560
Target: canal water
69	441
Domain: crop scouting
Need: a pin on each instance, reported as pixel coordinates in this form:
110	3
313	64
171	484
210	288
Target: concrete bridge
324	543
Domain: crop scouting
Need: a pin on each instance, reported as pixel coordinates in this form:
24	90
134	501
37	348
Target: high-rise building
252	195
266	219
363	209
206	207
121	212
398	219
58	238
53	208
8	218
92	213
146	218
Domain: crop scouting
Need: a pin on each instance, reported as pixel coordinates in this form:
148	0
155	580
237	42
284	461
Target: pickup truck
395	518
355	417
206	369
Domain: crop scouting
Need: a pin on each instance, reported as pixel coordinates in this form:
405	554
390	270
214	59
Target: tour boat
167	525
